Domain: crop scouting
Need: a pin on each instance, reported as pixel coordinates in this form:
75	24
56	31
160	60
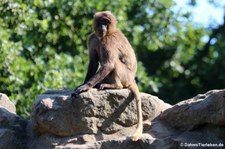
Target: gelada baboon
109	47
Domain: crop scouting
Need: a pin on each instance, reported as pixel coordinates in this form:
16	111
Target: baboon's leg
110	86
134	88
112	82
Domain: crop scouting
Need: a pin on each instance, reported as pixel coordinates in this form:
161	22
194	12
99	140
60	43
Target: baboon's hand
82	88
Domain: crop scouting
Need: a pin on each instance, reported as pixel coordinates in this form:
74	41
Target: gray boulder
92	112
204	109
196	122
106	119
12	127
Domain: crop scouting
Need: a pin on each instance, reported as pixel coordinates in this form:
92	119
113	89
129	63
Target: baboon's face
102	26
104	22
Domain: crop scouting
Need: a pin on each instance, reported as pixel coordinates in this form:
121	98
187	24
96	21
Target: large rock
92	112
208	108
106	119
12	127
197	122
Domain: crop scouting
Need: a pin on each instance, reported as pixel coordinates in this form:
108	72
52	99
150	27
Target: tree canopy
43	46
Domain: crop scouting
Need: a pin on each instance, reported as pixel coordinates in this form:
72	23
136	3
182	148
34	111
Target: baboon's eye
103	22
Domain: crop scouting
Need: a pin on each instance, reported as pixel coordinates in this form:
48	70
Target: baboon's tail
134	88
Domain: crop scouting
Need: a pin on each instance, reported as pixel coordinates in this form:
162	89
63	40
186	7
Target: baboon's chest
116	55
103	54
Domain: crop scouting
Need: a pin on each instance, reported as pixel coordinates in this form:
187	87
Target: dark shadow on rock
113	118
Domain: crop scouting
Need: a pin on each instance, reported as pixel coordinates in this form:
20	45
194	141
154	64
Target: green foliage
43	46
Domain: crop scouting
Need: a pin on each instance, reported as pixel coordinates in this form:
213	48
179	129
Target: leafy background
43	46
